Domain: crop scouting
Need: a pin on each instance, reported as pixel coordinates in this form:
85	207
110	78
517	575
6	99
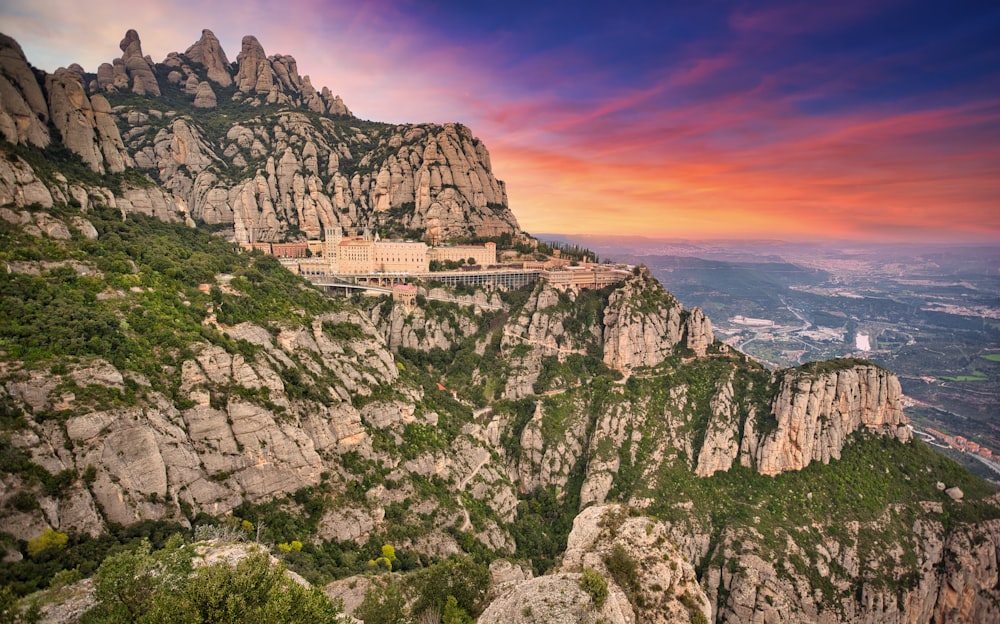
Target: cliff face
648	579
644	324
850	582
816	412
23	111
254	146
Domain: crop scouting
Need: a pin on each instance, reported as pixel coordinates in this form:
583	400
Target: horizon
828	243
874	122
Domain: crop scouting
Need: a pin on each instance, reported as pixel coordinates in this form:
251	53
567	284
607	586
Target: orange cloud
853	176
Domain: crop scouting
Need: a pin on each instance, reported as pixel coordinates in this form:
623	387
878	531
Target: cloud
728	124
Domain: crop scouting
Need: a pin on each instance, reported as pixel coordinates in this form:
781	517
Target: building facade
484	255
353	254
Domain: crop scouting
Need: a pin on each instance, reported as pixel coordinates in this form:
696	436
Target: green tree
143	587
458	577
126	584
383	604
454	614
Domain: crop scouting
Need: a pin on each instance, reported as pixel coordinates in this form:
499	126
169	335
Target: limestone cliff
445	324
817	411
648	579
644	324
23	111
550	327
85	123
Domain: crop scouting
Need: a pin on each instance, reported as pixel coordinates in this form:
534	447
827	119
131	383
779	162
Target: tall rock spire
208	51
138	68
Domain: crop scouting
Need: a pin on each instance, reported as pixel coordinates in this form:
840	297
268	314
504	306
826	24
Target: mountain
251	146
514	454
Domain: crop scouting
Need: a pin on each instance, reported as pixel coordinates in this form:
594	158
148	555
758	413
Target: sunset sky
856	119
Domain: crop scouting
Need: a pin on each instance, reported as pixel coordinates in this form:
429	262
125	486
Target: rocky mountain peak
282	170
130	45
252	63
23	113
132	72
208	51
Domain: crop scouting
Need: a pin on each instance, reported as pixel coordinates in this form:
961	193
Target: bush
49	539
460	578
624	570
595	585
382	605
146	587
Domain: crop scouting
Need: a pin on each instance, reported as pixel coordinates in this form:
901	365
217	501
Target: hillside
527	453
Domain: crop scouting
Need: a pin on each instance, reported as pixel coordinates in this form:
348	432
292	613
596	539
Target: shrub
159	587
595	585
382	605
624	570
49	539
460	578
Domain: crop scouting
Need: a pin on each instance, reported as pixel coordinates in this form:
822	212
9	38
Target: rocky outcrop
204	97
20	186
661	588
23	111
255	73
816	412
556	598
721	444
208	51
698	332
266	176
538	331
304	177
85	125
133	70
953	581
642	324
425	329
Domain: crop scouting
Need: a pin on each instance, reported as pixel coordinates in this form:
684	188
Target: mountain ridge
261	151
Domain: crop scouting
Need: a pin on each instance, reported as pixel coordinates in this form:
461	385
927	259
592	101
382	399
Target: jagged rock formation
20	186
85	124
698	332
439	327
539	331
643	324
951	583
208	51
604	539
816	413
300	163
23	111
131	72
